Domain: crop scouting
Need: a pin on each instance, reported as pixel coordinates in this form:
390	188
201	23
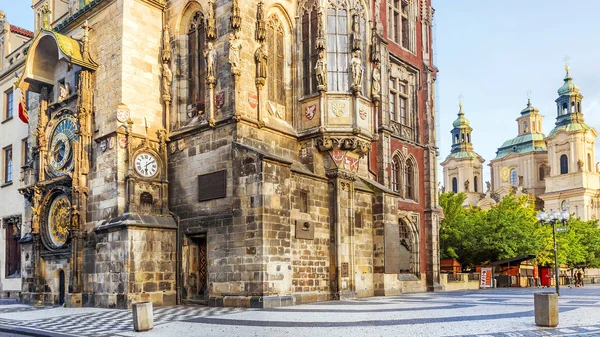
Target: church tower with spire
463	168
574	179
521	163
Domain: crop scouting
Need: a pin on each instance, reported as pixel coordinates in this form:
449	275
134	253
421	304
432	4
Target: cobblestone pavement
497	313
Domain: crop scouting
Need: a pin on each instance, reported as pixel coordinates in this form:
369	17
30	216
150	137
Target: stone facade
230	153
13	155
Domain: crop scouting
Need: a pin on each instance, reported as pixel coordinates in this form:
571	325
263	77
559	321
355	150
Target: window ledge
7	119
6	184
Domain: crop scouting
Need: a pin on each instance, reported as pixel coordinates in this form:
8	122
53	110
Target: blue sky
492	52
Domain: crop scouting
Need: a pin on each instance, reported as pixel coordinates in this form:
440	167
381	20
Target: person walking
579	279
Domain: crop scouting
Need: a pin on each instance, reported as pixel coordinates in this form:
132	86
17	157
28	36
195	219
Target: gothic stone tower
574	179
99	231
463	168
234	153
281	151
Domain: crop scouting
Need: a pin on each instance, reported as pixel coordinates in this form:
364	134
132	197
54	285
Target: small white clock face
146	165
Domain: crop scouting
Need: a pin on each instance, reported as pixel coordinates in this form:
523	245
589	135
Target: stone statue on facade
520	180
357	70
73	6
166	50
235	48
261	57
356	38
579	165
321	71
488	186
211	62
167	80
376	85
64	91
467	186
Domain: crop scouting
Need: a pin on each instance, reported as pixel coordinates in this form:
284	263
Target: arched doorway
61	287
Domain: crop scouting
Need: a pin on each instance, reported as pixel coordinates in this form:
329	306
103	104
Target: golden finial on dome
566	59
460	101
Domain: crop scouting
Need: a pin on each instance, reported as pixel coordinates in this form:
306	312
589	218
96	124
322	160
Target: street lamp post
553	218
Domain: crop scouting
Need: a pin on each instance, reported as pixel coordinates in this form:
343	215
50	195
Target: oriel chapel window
196	65
337	49
309	51
276	78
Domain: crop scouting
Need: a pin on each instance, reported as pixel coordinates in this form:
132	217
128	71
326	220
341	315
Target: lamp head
542	216
565	215
555	215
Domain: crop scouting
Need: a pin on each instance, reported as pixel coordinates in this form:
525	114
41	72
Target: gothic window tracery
409	180
196	74
309	51
337	48
396	174
401	22
276	79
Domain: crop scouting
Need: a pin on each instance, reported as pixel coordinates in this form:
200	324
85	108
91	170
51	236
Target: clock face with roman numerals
146	165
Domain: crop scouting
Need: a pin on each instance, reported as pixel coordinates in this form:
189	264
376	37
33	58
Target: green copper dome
568	88
461	120
529	109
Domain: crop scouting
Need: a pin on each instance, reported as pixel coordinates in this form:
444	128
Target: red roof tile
21	31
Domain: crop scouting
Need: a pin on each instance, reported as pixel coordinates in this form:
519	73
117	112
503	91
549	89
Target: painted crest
111	143
310	112
338	109
338	156
180	145
123	142
351	163
252	100
173	147
405	151
363	114
220	100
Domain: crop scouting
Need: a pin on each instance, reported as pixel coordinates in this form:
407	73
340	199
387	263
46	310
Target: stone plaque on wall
305	230
392	245
212	186
344	269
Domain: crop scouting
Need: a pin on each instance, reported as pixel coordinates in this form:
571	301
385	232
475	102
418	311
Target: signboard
212	186
562	229
485	279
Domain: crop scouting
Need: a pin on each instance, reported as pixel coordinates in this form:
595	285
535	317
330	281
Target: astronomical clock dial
60	152
146	165
59	221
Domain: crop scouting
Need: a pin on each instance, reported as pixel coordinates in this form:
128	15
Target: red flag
23	112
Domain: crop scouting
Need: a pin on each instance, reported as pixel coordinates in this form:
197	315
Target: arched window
542	172
589	162
564	164
572	106
276	79
404	250
468	137
395	174
309	50
565	108
454	185
409	184
513	177
475	184
196	65
578	106
337	49
525	127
